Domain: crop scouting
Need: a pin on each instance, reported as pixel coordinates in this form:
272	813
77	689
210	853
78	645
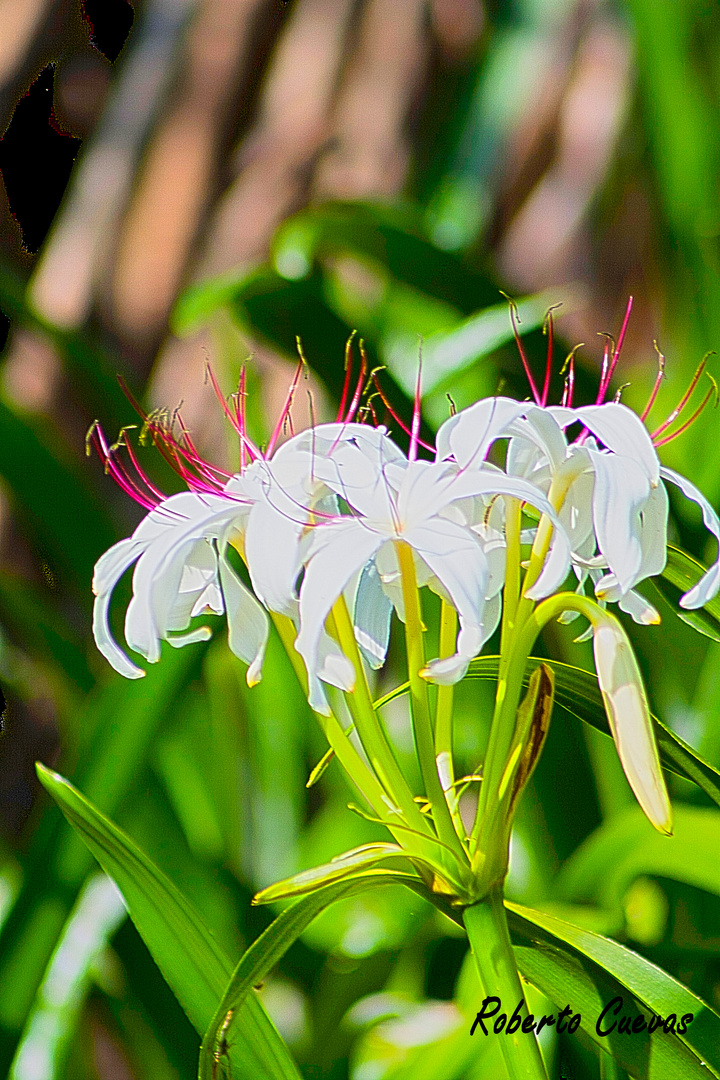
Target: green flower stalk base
487	929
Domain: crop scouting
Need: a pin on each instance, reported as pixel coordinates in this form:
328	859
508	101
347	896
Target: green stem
420	704
444	720
511	590
487	929
347	755
378	749
490	831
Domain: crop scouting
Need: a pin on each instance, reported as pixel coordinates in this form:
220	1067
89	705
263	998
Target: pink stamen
119	473
360	383
287	406
683	427
605	381
658	379
684	400
513	317
569	385
415	426
604	378
348	376
401	423
241	424
549	330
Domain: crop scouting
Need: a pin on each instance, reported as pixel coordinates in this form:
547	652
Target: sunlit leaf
189	957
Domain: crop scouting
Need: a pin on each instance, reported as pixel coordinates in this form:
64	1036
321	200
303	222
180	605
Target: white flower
389	500
182	569
180	549
606	486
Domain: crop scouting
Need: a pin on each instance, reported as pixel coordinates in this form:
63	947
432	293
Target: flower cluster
332	515
331	504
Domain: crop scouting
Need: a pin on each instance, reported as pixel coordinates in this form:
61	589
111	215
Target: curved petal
621	492
623	432
540	428
272	551
709	583
109	568
158	574
469	434
371	617
248	625
456	558
339	550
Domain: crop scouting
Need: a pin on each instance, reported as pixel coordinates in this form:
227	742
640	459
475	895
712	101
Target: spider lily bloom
182	569
606	487
390	501
180	552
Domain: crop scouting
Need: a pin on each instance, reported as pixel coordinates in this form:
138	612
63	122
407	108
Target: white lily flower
391	500
182	569
607	487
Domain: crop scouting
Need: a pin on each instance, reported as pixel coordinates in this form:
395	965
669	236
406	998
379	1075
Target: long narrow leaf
274	942
583	969
189	957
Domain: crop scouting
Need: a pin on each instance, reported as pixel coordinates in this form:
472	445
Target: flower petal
247	622
623	432
339	550
108	570
456	558
709	583
371	617
621	491
469	434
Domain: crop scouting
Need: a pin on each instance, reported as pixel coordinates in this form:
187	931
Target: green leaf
449	352
113	731
577	692
189	957
585	970
274	942
680	574
571	965
67	521
341	867
622	849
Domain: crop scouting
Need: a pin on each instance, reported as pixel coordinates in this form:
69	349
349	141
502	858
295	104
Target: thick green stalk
420	704
486	925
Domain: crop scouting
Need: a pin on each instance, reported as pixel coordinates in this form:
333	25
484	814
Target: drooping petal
247	622
339	550
641	610
272	551
371	617
456	558
621	492
623	432
159	571
629	718
708	585
469	434
108	570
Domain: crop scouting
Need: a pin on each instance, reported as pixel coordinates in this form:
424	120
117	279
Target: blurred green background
240	172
